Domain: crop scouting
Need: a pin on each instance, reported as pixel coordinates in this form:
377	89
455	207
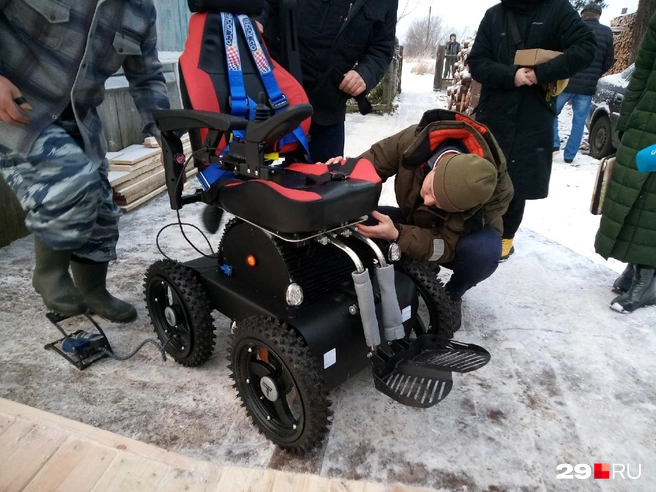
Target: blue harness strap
278	100
238	98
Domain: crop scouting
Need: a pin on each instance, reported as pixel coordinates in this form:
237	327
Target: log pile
137	173
623	27
464	92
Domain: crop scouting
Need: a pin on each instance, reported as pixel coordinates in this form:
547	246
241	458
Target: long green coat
628	224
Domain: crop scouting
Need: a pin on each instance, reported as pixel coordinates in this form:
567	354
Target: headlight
393	252
294	295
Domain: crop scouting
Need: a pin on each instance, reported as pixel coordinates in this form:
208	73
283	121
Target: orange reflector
250	259
264	355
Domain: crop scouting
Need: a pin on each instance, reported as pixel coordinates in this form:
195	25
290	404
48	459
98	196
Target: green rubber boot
53	282
91	278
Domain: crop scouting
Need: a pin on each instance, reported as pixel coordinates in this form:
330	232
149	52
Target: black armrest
279	125
188	119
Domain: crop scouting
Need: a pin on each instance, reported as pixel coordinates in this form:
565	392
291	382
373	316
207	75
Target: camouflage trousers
68	199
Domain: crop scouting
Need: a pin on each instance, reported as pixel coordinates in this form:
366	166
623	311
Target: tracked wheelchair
312	302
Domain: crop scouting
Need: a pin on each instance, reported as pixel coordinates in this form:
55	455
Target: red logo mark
602	471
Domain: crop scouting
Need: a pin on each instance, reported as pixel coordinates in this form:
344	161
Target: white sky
461	14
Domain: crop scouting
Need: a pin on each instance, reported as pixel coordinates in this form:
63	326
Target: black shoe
569	161
623	282
556	149
212	218
642	292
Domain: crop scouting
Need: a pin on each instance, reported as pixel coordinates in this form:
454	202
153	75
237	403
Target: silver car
605	111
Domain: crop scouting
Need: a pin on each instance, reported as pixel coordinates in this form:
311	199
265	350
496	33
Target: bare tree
646	9
579	4
408	8
424	35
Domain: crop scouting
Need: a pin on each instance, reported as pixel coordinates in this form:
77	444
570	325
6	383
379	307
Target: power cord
179	223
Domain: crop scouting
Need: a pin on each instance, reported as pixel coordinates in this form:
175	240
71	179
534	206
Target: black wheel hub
600	138
269	390
169	316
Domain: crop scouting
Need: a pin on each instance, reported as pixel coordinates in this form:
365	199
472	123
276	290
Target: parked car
605	111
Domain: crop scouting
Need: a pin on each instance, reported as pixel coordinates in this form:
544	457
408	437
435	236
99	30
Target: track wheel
279	383
180	312
436	313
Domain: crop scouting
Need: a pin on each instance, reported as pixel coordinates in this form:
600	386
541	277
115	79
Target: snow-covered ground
570	381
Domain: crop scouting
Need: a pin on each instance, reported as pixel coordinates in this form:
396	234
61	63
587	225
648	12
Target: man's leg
560	104
513	218
61	192
477	257
326	141
580	107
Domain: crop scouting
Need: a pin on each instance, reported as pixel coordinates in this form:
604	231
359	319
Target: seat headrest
247	7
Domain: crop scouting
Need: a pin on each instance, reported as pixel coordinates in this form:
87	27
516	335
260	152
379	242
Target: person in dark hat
452	189
452	50
582	85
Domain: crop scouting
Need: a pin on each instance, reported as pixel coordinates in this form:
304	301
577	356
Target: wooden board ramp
42	452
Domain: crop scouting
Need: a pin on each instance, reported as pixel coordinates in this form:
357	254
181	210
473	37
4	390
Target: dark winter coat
367	41
521	118
403	155
452	48
628	225
585	81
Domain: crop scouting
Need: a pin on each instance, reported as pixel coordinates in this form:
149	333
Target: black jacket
367	40
452	48
585	81
521	118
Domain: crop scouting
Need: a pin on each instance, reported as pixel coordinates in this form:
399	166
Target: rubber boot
212	218
91	279
623	282
53	282
641	293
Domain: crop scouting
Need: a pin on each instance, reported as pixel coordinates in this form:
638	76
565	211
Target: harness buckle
279	103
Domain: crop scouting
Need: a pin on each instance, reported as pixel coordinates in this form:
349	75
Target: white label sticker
329	358
406	313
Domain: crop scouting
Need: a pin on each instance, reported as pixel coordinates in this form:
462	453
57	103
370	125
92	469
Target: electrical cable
179	222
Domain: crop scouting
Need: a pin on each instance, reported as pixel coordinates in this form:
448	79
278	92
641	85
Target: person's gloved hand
10	100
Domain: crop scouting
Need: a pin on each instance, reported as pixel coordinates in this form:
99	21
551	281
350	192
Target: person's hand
9	112
522	77
332	160
385	229
530	75
260	27
353	84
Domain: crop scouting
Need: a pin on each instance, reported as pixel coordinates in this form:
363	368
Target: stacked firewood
622	41
464	93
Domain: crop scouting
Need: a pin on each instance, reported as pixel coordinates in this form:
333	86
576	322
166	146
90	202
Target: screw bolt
248	381
268	417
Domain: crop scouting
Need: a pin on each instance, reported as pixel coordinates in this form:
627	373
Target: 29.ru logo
600	471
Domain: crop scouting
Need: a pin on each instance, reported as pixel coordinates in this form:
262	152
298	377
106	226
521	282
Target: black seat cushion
305	197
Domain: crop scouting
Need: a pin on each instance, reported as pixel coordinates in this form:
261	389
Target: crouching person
452	190
54	62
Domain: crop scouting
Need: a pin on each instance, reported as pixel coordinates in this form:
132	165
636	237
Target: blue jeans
580	107
477	256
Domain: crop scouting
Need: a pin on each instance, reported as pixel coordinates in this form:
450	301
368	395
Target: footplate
418	373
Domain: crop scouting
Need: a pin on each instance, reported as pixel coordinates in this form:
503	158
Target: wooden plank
83	430
133	190
303	483
142	200
131	472
133	167
24	449
134	154
77	465
112	155
6	421
137	173
240	480
202	477
118	177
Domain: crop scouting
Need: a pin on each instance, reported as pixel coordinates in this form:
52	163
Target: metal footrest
418	372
